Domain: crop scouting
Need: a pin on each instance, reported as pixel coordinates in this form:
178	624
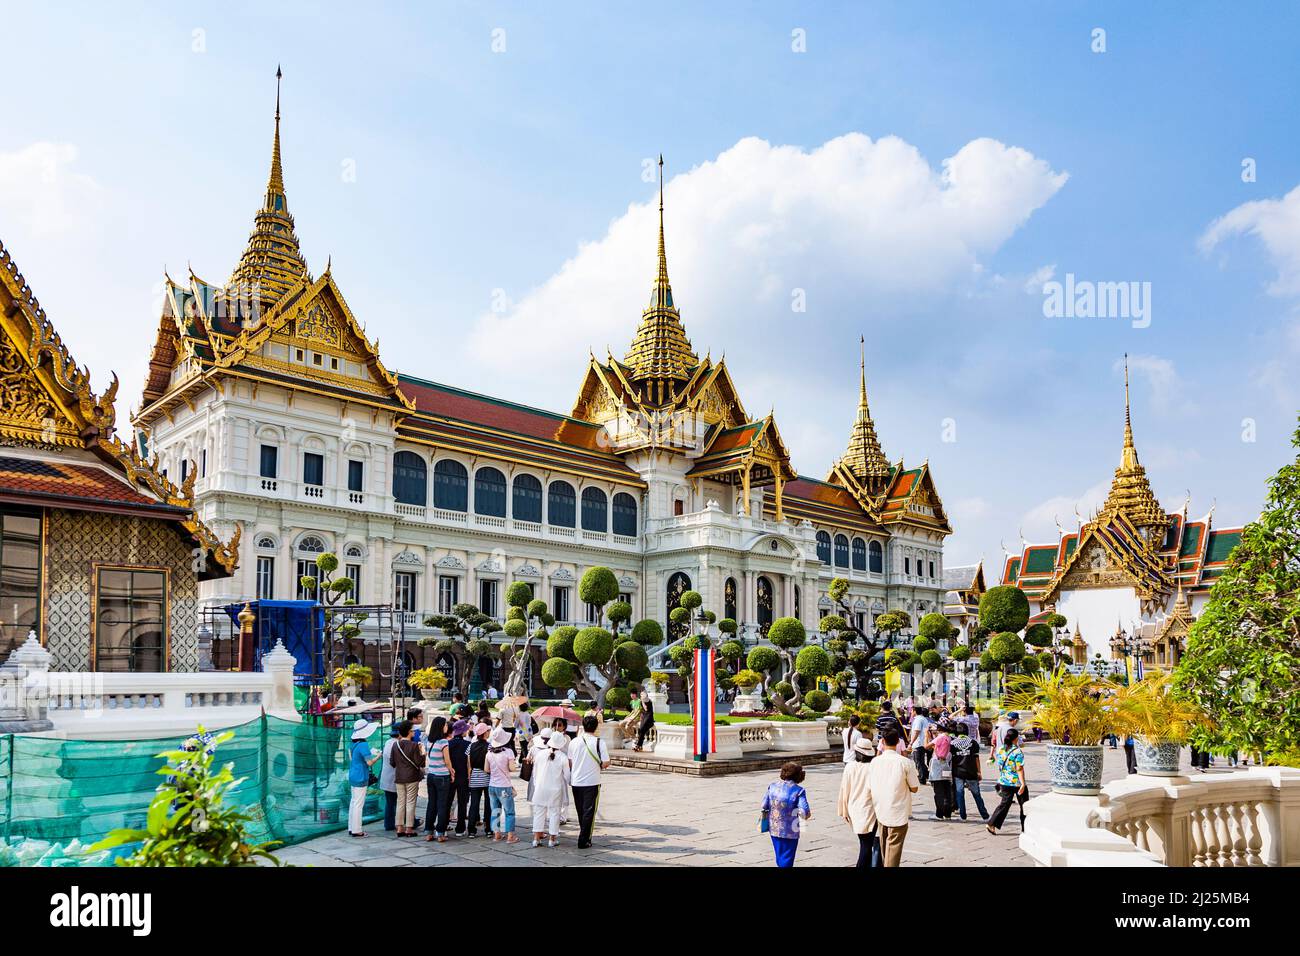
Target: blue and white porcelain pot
1156	758
1075	770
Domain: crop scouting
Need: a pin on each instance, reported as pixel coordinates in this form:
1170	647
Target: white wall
1097	612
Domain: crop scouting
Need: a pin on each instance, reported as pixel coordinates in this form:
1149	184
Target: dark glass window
130	620
877	557
356	473
560	504
266	579
313	468
859	555
729	599
450	486
594	510
490	493
841	551
823	547
410	479
270	461
527	502
625	514
20	578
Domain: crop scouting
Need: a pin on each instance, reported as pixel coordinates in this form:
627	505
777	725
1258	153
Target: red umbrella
544	715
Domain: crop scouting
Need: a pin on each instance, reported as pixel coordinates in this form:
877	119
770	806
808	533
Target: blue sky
516	176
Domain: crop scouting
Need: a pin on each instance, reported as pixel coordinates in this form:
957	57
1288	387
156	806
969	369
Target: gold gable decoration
47	386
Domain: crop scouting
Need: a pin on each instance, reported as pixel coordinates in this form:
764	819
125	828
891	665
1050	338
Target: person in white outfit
550	785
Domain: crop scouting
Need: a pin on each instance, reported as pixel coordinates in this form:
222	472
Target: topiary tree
843	626
525	619
334	593
1242	662
597	659
1004	608
960	653
1039	635
931	660
618	698
1006	649
464	626
727	626
933	627
921	644
648	633
786	634
731	651
764	660
818	700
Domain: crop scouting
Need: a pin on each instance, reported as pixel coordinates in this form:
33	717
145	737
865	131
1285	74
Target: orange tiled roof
64	484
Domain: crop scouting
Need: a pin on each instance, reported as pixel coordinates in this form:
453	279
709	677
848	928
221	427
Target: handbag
526	771
764	825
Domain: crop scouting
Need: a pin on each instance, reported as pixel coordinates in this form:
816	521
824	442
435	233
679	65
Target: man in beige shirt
892	781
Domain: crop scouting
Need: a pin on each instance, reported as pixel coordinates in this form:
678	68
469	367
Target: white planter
750	701
803	735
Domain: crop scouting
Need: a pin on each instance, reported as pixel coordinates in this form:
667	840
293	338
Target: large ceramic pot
1075	770
428	693
1156	758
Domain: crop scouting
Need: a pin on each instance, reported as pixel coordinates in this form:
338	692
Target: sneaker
553	843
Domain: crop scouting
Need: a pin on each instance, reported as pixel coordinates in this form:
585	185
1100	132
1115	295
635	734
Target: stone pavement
657	819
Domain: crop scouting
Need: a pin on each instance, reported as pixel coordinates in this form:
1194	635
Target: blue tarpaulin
300	624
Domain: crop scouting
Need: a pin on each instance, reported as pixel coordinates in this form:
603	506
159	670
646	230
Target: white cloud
1034	284
1038	524
853	222
1162	380
1276	223
42	193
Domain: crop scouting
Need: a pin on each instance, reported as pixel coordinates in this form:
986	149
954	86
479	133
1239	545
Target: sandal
991	830
512	839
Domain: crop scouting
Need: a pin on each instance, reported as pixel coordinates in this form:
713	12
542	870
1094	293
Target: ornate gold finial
660	351
864	457
272	262
1130	492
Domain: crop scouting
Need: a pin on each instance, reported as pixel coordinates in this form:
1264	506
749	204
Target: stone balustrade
1244	818
673	741
113	705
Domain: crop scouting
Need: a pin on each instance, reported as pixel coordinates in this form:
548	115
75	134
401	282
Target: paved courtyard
656	819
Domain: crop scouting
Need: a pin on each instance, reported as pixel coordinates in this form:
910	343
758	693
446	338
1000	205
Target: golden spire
1130	492
864	457
272	262
660	354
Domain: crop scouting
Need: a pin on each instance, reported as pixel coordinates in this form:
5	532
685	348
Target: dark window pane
355	474
560	505
410	479
450	486
527	503
625	514
823	547
270	461
594	510
490	493
313	468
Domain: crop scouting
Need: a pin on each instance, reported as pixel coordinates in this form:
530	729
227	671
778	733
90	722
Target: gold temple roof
864	457
272	262
1130	492
660	351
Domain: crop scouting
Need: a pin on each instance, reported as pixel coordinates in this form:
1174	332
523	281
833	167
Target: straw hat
363	729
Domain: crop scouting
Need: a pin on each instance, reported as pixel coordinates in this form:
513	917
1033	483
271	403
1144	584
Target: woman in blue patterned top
1013	786
784	804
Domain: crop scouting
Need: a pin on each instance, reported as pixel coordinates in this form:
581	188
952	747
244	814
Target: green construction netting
61	796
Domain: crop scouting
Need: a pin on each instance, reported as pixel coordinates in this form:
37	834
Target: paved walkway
656	819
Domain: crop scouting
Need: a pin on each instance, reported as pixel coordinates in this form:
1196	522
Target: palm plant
1149	709
1073	708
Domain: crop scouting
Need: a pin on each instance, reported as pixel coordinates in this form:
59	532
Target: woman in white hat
539	749
500	763
363	757
550	786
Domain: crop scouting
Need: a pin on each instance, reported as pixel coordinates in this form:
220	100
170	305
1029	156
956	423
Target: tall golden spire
864	457
660	354
272	262
1130	492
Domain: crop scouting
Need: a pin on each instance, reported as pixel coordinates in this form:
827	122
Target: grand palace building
267	397
1130	581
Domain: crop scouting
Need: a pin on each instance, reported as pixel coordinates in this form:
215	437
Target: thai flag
706	684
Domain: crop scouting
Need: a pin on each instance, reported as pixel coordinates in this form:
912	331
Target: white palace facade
266	396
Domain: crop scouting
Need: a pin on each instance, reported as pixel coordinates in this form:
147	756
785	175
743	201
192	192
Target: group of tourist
885	765
468	761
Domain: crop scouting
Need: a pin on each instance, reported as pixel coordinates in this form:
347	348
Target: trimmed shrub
557	672
519	594
1004	608
690	600
515	614
598	586
818	700
1039	635
813	661
648	632
960	653
784	688
922	644
560	643
732	650
679	615
832	623
787	632
748	678
618	612
763	659
903	660
987	663
619	698
1006	648
935	627
515	629
727	626
536	608
631	656
593	645
931	660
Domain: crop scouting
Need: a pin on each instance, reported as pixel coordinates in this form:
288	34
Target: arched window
450	486
527	503
490	493
877	557
560	505
410	479
595	507
624	514
678	585
841	551
859	555
764	595
729	599
311	544
266	543
823	547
